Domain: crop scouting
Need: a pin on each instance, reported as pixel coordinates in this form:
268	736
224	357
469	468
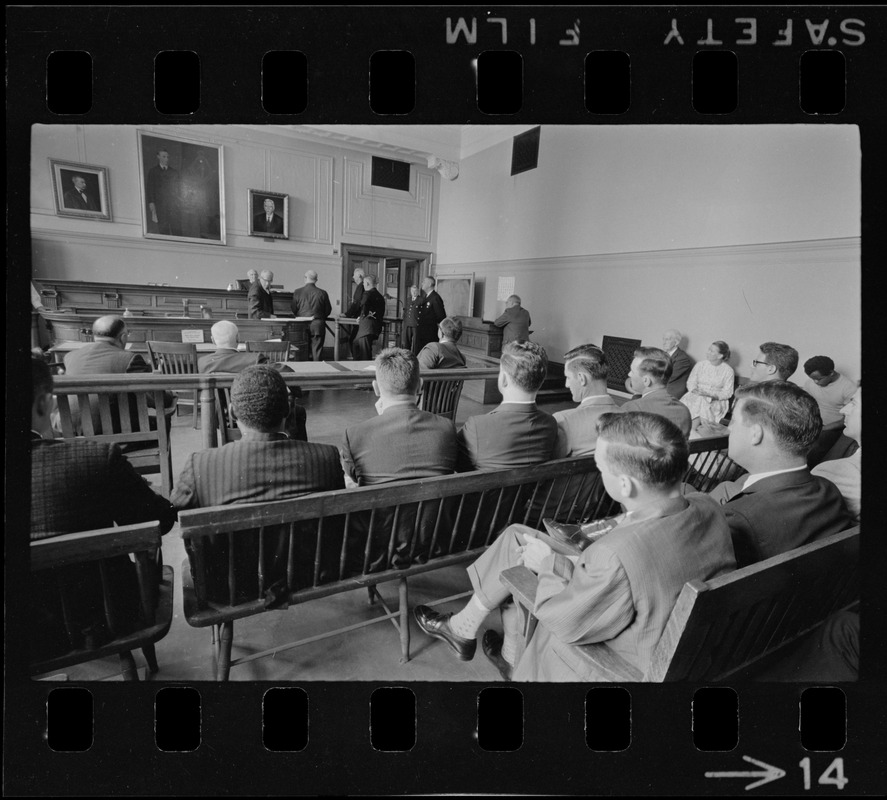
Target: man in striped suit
264	465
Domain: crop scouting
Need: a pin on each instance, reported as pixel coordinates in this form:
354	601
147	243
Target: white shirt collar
759	476
591	397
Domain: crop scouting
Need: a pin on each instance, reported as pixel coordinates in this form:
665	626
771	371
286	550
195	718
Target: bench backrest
721	627
710	464
308	546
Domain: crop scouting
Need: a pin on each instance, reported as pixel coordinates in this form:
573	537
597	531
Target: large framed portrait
269	214
183	189
80	190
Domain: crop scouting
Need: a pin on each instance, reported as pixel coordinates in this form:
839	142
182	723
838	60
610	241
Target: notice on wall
506	288
195	336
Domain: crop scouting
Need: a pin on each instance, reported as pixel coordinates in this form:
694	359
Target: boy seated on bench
622	588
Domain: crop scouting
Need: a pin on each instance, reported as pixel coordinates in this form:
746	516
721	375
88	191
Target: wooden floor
369	653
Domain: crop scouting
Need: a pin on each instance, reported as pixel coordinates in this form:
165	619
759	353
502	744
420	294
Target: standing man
349	332
372	312
252	276
515	320
680	363
268	222
431	313
78	198
164	196
648	377
410	338
261	304
309	301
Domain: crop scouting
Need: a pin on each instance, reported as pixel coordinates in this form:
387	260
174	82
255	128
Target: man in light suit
227	358
515	433
649	375
78	198
779	505
431	313
681	364
515	321
585	375
309	301
264	465
81	485
259	299
268	222
846	473
622	588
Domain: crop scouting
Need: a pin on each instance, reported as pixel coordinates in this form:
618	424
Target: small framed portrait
183	188
269	214
80	190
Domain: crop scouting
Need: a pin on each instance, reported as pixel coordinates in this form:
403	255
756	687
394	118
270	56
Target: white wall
741	233
331	201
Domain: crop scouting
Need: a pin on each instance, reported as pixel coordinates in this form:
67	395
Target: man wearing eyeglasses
774	362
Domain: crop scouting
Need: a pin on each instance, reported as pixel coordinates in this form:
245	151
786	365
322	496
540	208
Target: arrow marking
770	773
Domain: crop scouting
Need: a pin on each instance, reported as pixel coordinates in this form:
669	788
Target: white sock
509	647
510	633
469	619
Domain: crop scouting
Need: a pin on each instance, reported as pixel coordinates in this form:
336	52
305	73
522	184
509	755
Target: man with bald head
107	353
680	363
515	321
309	301
227	358
260	302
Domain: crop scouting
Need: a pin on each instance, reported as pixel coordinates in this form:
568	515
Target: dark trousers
363	347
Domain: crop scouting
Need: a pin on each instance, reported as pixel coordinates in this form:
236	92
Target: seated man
227	358
774	362
832	391
443	354
263	465
516	433
82	485
680	363
846	473
401	443
619	590
778	505
649	375
585	375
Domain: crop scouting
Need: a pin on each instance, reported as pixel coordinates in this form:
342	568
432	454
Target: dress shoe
438	626
492	647
578	536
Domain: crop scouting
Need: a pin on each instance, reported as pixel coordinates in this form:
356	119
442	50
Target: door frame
350	250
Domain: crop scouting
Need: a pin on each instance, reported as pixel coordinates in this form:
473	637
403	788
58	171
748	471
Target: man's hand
533	553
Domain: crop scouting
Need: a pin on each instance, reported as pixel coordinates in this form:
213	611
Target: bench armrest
522	582
608	663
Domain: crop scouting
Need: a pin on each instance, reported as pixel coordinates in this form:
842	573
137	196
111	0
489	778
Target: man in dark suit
515	433
401	443
268	221
259	299
227	358
82	485
515	321
78	198
347	333
431	313
779	505
164	196
621	589
681	364
372	314
309	301
410	335
444	354
649	374
262	466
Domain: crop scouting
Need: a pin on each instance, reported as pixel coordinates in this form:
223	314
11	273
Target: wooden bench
347	539
726	628
51	556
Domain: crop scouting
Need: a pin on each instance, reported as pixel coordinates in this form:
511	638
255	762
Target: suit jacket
103	358
431	313
659	401
624	587
76	486
261	224
441	355
411	311
309	301
516	324
261	303
227	360
372	312
256	472
73	199
576	426
511	435
353	310
779	513
402	443
681	364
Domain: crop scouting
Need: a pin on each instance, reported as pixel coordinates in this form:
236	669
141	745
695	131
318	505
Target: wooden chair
274	351
441	398
730	626
226	422
175	358
51	557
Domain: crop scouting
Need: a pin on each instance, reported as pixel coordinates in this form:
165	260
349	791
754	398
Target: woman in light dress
710	386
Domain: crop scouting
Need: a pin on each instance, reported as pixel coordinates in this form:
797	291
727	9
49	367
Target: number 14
833	775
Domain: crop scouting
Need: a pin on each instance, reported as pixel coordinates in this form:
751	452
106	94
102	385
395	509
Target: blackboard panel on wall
457	293
620	353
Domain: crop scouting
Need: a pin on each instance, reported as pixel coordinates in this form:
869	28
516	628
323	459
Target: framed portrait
183	189
80	190
269	214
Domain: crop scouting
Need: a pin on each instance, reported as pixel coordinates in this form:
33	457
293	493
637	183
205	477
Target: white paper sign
193	336
506	288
